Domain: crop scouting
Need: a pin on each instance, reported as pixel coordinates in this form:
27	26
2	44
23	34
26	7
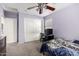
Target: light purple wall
66	22
1	10
21	28
10	14
1	15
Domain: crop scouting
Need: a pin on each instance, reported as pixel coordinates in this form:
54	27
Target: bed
59	47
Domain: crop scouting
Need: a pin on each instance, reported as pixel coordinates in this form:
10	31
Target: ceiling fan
41	6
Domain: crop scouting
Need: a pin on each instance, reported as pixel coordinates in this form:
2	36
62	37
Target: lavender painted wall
66	22
1	15
21	28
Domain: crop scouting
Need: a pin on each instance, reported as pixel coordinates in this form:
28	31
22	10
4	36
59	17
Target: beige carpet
24	49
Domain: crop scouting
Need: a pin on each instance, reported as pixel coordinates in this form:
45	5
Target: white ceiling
23	7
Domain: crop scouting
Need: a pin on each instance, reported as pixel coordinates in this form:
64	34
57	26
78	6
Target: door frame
17	21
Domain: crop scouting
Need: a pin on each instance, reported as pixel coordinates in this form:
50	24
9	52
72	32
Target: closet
32	29
10	26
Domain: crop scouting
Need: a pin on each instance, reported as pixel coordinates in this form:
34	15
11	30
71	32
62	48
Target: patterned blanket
60	47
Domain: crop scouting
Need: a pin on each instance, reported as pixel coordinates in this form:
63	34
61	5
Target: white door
32	28
10	30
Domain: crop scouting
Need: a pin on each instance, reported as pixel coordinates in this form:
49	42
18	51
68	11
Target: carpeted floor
24	49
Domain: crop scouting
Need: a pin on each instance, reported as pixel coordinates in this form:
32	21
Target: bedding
63	51
60	47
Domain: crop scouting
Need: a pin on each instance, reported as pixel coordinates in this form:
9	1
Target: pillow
76	41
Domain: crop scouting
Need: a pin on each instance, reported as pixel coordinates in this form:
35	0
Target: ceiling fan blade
32	7
50	8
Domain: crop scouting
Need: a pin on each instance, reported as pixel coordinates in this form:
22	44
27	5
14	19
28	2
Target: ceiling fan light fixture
42	6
